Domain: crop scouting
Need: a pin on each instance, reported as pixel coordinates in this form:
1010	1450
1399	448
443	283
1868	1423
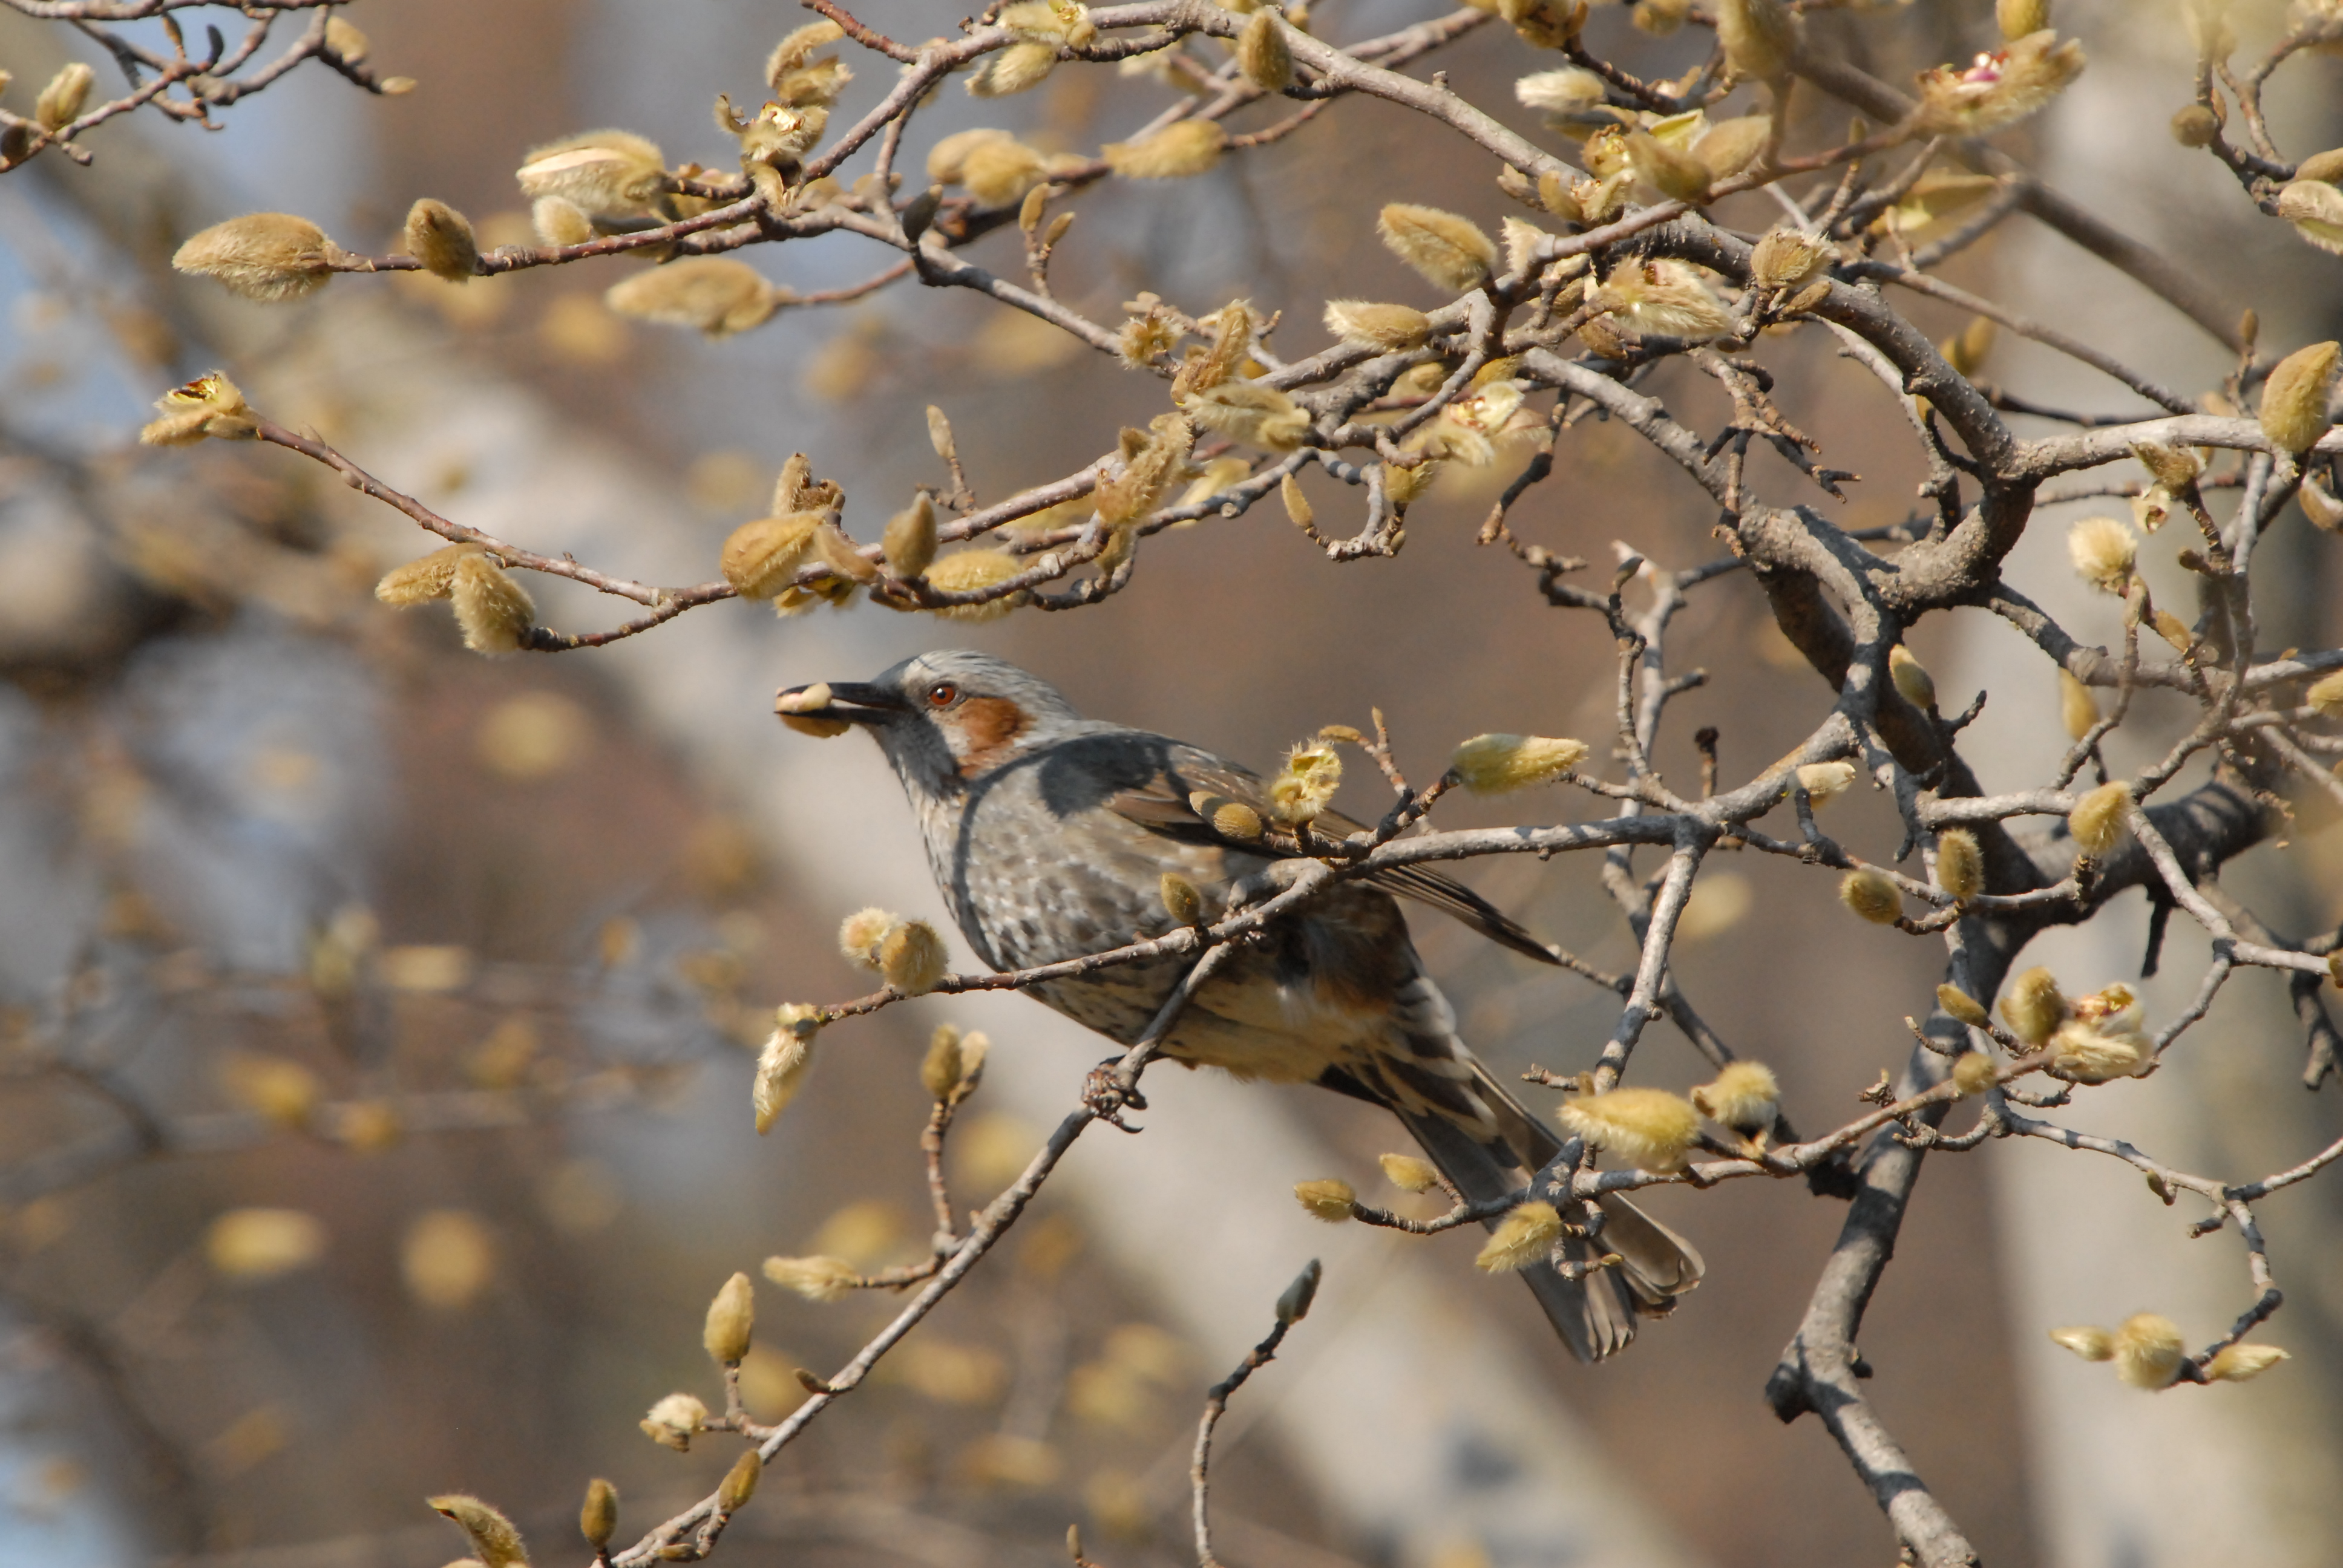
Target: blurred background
440	978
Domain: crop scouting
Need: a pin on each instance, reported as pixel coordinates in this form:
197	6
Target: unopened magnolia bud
494	611
2294	398
2033	1008
424	579
1648	1127
1523	1237
2103	551
967	571
495	1542
782	1065
909	542
2018	19
1179	150
1974	1073
1729	147
1329	1199
441	238
913	958
1676	172
1297	506
1759	36
713	293
2326	167
1294	1305
1960	1005
1386	327
2093	1344
2147	1349
1826	781
2325	694
1911	678
673	1421
1250	412
1229	819
1960	863
2077	709
61	102
2241	1363
1016	69
208	407
731	1319
831	548
266	256
1495	764
2315	208
559	221
2324	510
1450	251
1785	258
1744	1097
2097	821
1873	894
1408	1173
597	1518
740	1482
1181	902
2194	126
761	557
1262	53
2174	468
613	172
942	1071
816	1279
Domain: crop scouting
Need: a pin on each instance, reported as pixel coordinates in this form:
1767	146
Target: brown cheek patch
988	725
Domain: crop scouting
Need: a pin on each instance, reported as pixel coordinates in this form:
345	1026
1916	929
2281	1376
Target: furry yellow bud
1960	863
713	293
1873	894
494	611
63	99
1016	69
441	238
208	407
1673	171
1911	678
560	221
674	1421
1302	788
2033	1008
796	47
782	1065
1566	91
1495	764
614	172
1650	1128
2241	1363
815	1279
2314	206
2093	1344
859	934
1452	252
761	558
2103	551
913	958
265	255
1826	781
1744	1097
1181	902
944	1070
2078	710
1234	819
2097	821
1523	1237
598	1517
1383	328
1179	150
1974	1072
1997	90
1251	413
2294	412
2147	1349
495	1542
1263	55
1960	1005
740	1482
731	1320
1298	510
2325	694
909	541
1329	1199
424	579
1408	1173
966	571
1759	36
2020	19
2101	1040
1785	258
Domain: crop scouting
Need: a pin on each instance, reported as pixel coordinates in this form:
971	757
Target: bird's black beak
825	708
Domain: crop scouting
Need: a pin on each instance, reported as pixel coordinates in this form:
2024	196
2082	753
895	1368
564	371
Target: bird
1051	836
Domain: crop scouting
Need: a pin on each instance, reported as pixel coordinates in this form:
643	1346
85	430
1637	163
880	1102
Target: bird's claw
1107	1095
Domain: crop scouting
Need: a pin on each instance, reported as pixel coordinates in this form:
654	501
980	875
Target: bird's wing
1181	798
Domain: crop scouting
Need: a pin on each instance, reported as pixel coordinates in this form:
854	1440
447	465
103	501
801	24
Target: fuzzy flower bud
2020	19
441	238
1974	1073
2093	1344
761	558
2097	821
598	1517
1729	147
1408	1173
740	1482
495	1542
559	221
1016	69
1759	36
1495	764
1785	258
2325	694
732	1320
1181	902
2314	206
2147	1350
1249	412
2242	1364
2103	551
1873	894
714	294
816	1279
1960	1005
1997	90
614	172
1183	149
1960	863
265	255
966	571
909	542
494	611
2033	1008
1744	1097
1450	251
1666	299
1522	1237
1650	1128
1383	328
1307	781
208	407
1293	1306
913	958
944	1069
2294	398
781	1066
672	1422
2102	1040
1826	781
1262	53
1673	171
1329	1199
62	100
1562	92
2078	710
424	579
1911	678
2194	126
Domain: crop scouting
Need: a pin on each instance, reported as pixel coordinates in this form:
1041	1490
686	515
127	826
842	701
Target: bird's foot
1108	1094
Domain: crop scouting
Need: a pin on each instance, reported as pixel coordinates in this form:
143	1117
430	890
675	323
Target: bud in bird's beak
824	709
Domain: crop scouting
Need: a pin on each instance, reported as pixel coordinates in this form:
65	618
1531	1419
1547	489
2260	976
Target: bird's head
942	717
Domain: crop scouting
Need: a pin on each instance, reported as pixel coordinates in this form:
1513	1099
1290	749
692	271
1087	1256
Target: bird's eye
943	694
